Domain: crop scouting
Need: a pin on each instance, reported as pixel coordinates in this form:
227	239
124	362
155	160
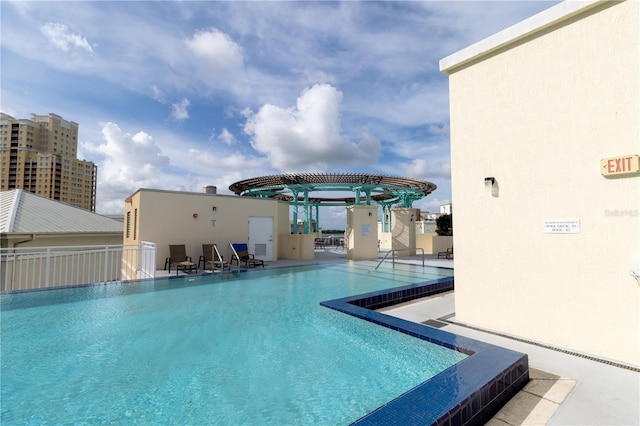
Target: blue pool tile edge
468	393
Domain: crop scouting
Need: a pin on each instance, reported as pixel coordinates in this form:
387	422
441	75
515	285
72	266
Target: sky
181	95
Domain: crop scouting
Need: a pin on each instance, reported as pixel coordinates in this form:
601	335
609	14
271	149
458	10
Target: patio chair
241	254
178	258
446	254
211	256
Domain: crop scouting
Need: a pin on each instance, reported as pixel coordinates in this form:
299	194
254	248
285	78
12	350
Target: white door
261	237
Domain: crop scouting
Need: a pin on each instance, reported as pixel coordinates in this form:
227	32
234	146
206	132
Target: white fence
45	267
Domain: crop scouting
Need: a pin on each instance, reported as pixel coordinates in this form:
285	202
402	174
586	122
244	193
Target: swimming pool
233	349
211	350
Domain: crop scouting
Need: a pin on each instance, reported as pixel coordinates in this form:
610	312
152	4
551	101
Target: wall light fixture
488	182
491	185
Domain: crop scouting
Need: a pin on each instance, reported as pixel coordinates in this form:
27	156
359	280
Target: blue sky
179	95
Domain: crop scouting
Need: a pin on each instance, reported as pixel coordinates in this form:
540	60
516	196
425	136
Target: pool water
248	348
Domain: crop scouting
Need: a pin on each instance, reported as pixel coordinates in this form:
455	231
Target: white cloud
226	137
216	48
220	168
421	169
315	76
157	94
128	162
207	161
308	136
211	61
179	110
336	214
441	129
382	55
246	112
59	36
130	158
405	104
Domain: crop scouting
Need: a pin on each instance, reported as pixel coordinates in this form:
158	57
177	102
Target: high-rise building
39	155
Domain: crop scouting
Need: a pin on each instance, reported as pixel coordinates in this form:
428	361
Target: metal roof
24	212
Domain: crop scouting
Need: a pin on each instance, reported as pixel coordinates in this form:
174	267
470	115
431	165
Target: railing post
106	263
47	267
152	261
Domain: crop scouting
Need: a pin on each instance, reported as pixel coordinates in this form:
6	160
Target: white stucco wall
539	114
171	217
361	234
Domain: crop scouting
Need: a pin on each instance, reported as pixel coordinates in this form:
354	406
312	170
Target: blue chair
241	254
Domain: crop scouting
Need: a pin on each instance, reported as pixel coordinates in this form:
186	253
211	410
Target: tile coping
468	393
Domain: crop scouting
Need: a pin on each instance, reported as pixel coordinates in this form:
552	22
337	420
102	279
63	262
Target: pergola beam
378	189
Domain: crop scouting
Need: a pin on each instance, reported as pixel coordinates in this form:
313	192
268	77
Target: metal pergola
369	189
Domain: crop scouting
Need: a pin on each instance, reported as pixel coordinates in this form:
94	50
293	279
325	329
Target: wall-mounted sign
571	226
627	165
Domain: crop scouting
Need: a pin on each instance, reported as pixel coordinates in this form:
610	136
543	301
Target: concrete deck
565	389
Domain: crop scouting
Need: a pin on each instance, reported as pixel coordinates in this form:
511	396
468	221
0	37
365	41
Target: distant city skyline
180	95
38	155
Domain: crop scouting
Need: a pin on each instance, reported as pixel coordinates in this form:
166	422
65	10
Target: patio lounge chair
446	254
319	243
241	254
211	256
178	258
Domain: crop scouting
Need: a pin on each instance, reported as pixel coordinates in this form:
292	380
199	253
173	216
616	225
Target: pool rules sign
625	166
566	226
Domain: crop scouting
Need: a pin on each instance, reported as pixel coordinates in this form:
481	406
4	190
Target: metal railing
393	256
28	268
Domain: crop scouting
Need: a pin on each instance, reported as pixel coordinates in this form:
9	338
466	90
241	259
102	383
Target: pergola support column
307	212
295	212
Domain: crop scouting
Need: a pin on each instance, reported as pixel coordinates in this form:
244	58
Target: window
128	224
135	223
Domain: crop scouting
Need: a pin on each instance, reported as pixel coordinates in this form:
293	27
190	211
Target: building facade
46	243
545	140
446	208
39	155
191	218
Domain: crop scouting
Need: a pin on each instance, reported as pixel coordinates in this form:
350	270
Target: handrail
393	257
234	255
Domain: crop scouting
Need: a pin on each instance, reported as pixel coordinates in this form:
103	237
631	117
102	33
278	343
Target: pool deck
565	389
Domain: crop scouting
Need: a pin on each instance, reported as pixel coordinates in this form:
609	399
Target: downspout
12	217
33	237
4	270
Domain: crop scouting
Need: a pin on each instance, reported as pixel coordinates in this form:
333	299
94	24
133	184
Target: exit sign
628	165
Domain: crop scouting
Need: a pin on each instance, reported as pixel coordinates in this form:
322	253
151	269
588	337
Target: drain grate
434	323
542	345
